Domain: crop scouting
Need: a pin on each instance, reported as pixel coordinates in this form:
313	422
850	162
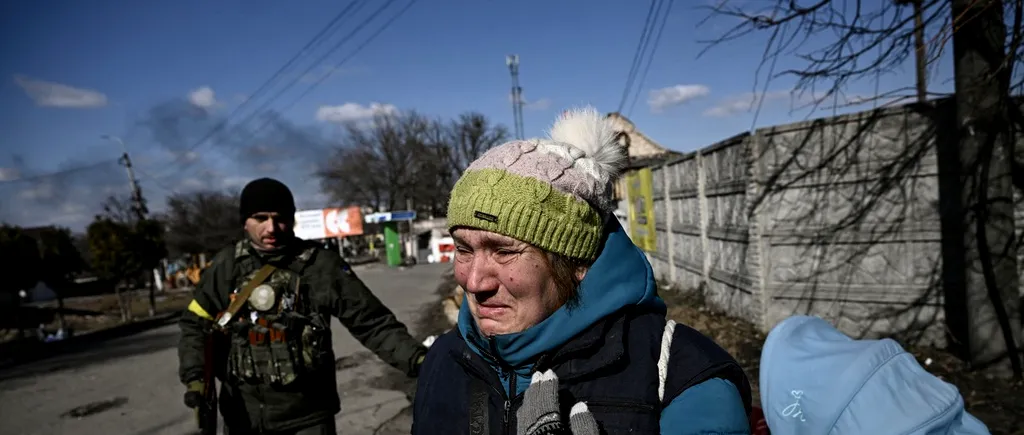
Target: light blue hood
815	380
621	276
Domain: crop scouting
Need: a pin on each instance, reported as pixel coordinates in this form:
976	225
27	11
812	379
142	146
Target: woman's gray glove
539	414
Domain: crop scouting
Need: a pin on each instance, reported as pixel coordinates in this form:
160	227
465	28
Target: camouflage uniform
276	366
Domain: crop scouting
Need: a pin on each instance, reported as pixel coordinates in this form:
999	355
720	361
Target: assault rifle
206	413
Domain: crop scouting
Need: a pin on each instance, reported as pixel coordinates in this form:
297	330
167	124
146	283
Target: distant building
641	149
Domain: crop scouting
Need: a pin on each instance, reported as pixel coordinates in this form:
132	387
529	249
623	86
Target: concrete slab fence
837	217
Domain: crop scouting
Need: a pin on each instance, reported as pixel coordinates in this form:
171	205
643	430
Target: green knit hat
553	193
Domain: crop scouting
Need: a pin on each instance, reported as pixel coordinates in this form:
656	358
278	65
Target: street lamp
124	149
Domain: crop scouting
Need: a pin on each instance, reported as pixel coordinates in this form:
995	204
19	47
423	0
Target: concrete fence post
702	204
669	221
757	196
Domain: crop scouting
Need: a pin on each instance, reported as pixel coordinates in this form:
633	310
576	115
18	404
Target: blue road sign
402	215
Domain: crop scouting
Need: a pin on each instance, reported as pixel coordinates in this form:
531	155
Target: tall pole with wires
517	94
138	204
139	208
920	49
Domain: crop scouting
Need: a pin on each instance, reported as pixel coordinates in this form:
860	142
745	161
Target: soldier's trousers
326	428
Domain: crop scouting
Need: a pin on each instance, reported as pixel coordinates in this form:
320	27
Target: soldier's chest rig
275	334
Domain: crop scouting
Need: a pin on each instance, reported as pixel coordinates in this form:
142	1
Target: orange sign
341	222
328	223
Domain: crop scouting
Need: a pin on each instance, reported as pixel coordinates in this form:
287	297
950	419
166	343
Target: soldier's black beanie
266	195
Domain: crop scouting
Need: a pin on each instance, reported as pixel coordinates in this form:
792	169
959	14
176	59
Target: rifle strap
243	295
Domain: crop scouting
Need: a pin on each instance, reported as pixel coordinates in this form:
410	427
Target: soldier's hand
194	394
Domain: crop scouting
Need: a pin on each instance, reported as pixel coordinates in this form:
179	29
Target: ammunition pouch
277	350
281	345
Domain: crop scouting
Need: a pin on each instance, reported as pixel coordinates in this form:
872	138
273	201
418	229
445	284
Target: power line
650	58
316	63
265	86
633	69
343	61
313	66
60	173
156	182
315	41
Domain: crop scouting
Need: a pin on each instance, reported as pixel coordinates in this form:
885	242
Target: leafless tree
119	209
398	158
201	222
470	136
838	43
376	164
835	44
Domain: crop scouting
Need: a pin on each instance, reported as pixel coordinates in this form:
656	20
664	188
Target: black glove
194	394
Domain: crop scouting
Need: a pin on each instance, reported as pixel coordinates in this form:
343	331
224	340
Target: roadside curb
20	353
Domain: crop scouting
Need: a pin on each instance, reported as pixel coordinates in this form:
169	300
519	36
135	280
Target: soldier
270	297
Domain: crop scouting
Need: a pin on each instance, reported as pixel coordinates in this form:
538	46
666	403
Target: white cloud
233	182
799	100
72	208
8	174
664	98
50	94
743	103
350	112
192	184
39	192
183	156
203	97
749	101
541	104
528	104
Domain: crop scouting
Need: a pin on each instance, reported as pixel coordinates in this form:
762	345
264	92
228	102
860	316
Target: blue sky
73	71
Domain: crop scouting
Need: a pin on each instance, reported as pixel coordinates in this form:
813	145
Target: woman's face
508	282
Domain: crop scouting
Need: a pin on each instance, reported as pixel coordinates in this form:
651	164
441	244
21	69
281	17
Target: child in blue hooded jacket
816	380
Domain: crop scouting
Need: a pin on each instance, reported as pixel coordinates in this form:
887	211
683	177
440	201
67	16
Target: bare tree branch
401	157
836	43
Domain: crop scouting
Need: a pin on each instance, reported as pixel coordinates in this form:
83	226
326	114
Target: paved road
135	378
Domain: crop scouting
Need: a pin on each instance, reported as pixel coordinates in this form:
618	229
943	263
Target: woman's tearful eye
505	255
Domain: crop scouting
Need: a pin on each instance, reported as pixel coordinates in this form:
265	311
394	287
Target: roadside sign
328	223
390	216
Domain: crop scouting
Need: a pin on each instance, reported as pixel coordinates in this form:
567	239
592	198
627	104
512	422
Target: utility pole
517	94
139	207
980	275
920	50
138	204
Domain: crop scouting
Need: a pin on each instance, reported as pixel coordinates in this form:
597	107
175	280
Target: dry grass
998	403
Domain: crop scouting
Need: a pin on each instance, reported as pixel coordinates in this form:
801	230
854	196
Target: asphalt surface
129	385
